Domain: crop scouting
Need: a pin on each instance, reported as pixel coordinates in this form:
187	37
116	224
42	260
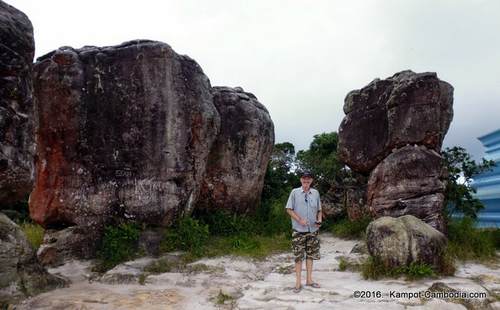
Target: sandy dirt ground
241	283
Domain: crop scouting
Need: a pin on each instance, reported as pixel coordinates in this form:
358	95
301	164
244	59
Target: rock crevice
393	132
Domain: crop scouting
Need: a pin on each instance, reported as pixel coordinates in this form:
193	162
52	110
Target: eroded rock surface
17	49
237	162
407	108
403	240
393	132
124	131
409	181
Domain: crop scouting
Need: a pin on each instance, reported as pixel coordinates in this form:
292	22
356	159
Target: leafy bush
222	223
119	244
346	228
468	242
277	220
34	233
188	235
374	268
342	264
417	270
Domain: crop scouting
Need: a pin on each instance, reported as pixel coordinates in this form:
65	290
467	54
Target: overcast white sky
300	58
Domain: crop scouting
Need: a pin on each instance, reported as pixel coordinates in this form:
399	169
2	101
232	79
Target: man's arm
319	216
289	209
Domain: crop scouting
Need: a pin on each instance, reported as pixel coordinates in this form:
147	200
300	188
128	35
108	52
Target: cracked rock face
17	49
237	162
407	108
409	181
123	131
393	132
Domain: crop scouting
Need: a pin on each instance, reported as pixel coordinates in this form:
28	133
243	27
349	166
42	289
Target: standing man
304	207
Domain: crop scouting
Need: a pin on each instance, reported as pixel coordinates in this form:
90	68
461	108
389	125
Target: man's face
306	181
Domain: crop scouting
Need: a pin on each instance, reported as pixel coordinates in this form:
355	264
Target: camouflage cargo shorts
305	243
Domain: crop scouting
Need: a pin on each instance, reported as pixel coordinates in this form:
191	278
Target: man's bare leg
309	267
298	272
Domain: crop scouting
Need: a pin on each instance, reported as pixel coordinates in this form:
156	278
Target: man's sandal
297	289
314	284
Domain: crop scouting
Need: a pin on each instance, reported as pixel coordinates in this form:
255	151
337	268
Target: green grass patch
223	223
374	268
255	246
118	244
221	233
466	242
188	235
142	279
342	264
347	229
34	233
222	298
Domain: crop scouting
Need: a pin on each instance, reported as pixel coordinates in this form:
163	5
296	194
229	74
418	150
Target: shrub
277	220
417	270
34	233
222	298
119	244
188	235
468	242
342	264
223	223
346	228
374	268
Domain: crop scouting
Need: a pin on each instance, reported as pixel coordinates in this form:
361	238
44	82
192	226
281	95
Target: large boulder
123	131
409	181
407	108
62	245
17	49
21	273
238	159
403	240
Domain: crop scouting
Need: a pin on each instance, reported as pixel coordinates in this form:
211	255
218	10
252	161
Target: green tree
321	159
279	176
459	195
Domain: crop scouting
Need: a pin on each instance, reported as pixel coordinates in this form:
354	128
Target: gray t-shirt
306	205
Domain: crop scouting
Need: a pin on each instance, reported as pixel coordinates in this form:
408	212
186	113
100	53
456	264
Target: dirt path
238	283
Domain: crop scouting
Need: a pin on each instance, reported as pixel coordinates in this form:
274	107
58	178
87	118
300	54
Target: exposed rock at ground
360	248
244	283
60	246
410	180
457	296
238	159
124	132
407	108
21	273
17	49
403	240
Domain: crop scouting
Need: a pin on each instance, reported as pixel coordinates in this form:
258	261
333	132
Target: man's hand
317	224
302	222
